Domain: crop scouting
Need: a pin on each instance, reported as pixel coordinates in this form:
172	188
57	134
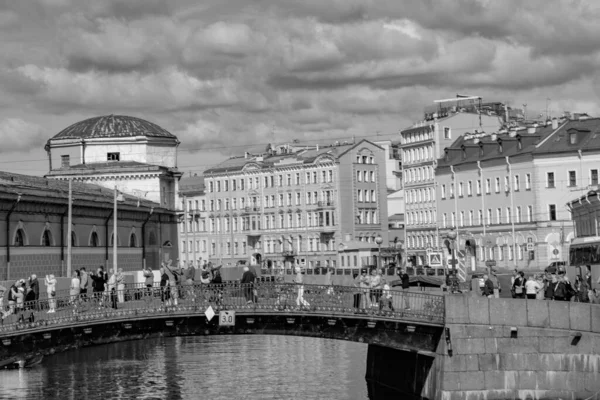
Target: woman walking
51	289
75	288
120	285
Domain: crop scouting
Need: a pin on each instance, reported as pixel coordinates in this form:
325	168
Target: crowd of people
545	286
375	292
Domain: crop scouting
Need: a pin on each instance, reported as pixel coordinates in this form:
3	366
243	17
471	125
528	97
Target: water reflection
214	367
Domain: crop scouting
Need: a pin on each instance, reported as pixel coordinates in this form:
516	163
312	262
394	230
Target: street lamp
452	236
379	240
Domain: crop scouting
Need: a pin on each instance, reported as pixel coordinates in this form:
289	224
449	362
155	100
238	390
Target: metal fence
261	297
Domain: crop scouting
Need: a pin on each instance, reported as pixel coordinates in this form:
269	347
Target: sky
223	75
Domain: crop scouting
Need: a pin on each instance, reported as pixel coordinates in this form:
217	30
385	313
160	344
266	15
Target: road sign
227	318
429	250
452	262
529	246
435	259
490	263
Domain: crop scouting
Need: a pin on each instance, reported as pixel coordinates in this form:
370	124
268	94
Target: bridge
428	347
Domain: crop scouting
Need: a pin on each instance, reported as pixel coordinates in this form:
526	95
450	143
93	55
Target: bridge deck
260	298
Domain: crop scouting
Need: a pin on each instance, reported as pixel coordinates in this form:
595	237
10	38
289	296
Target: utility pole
69	225
115	231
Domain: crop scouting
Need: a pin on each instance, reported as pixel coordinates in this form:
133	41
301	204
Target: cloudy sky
224	73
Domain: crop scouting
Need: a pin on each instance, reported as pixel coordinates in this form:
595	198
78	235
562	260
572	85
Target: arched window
47	238
94	240
112	240
19	238
132	240
73	239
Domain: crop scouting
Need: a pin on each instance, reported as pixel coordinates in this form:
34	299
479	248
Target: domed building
132	154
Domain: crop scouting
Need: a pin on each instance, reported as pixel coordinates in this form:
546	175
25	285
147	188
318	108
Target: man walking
405	279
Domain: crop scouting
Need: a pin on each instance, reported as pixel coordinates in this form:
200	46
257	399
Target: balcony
251	210
327	203
288	253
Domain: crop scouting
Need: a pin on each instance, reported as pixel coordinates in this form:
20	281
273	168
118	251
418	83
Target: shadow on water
376	391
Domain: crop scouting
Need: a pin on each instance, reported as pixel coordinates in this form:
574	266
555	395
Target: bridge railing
263	297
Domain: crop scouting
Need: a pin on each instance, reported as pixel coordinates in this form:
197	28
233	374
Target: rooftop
112	126
569	136
283	154
108	167
56	191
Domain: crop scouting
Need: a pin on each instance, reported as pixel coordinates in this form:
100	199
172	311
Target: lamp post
379	240
117	197
452	236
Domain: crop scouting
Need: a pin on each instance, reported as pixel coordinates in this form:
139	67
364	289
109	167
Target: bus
585	252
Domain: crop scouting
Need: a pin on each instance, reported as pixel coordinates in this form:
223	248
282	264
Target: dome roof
113	126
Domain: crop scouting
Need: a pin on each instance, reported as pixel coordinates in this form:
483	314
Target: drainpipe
144	237
483	212
106	235
512	208
8	235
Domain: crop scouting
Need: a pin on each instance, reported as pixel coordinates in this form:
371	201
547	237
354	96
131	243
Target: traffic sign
490	263
452	262
435	259
530	246
429	250
227	318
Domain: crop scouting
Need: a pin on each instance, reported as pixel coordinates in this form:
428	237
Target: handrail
263	297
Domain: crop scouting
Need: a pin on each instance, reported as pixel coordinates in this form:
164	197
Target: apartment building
295	205
421	146
194	243
505	193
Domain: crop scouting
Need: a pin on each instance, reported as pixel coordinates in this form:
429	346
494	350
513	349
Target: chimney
245	154
554	123
317	147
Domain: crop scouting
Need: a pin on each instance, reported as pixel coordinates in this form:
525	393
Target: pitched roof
573	136
51	190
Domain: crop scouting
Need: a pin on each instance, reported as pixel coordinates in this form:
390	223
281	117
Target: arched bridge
404	320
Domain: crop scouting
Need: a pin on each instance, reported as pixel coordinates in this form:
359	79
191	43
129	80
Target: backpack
560	290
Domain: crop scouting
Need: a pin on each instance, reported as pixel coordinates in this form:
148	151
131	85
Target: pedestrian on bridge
300	302
247	283
51	290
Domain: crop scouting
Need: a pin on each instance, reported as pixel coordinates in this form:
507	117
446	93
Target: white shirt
532	286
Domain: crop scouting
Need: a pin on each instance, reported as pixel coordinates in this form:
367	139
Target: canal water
199	367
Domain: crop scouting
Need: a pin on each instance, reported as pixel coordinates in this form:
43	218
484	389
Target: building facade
194	241
34	228
505	193
133	155
584	249
421	146
295	205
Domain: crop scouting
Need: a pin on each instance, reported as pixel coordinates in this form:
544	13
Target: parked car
479	277
556	267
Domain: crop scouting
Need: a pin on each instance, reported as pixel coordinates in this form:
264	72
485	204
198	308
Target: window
572	178
94	240
573	138
462	218
452	190
47	238
527	181
498	215
506	183
297	178
453	221
460	189
447	133
488	186
358	176
65	161
593	176
516	183
19	238
471	218
552	212
133	240
443	191
113	156
518	215
550	180
480	217
489	217
497	181
372	176
508	215
469	188
478	186
529	213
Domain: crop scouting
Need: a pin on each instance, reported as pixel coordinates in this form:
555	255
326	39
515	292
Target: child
386	298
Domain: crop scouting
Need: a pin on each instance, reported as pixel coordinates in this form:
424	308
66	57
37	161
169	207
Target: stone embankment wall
518	349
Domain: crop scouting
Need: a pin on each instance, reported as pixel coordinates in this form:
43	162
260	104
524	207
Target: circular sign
429	250
555	252
490	263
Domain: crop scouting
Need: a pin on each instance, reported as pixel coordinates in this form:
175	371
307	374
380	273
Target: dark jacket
549	291
405	280
35	288
488	288
247	277
190	273
99	282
